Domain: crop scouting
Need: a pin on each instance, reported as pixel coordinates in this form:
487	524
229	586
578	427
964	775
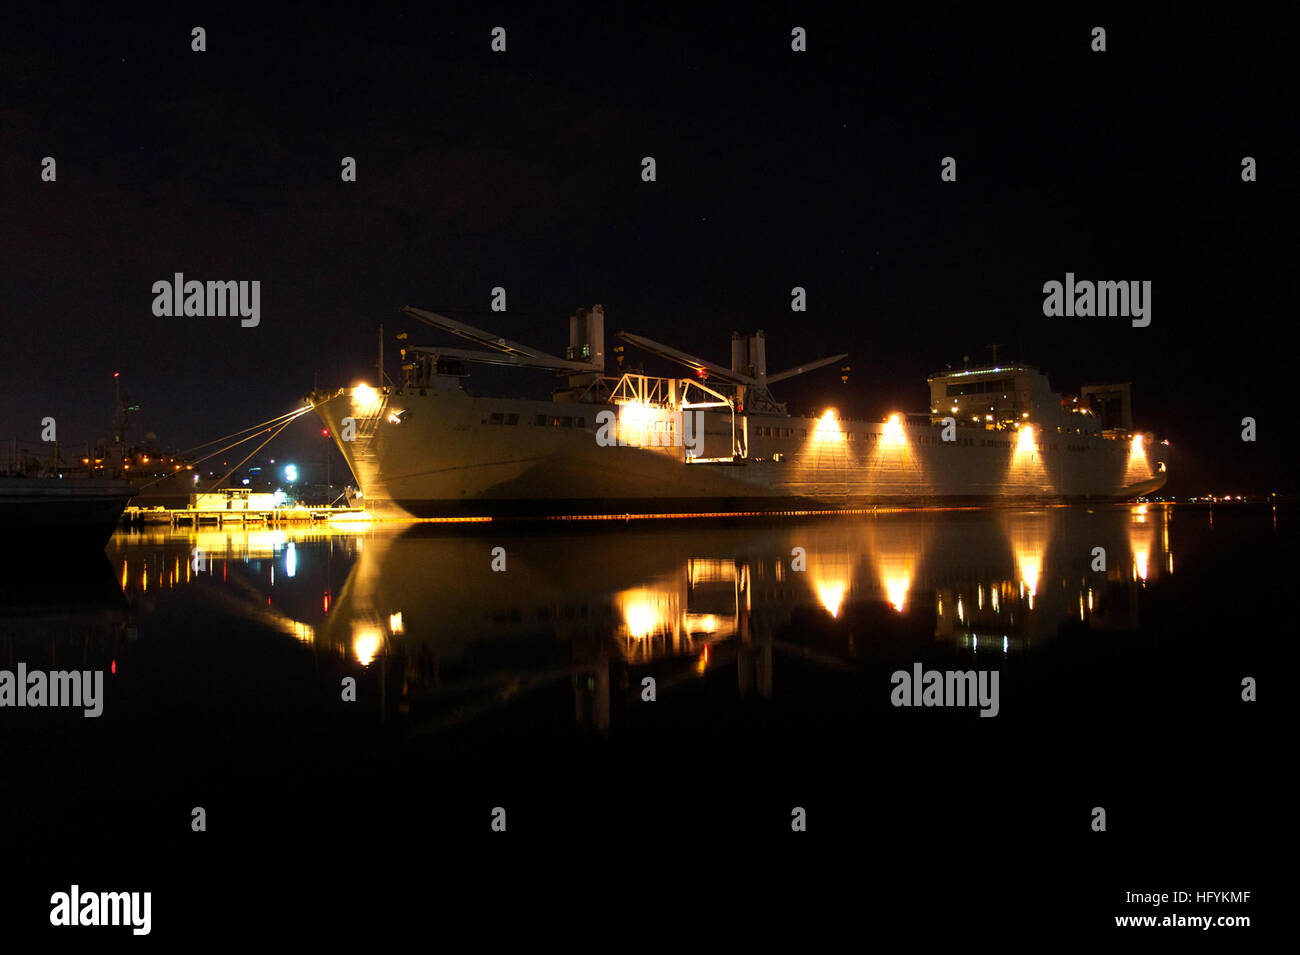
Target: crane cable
222	479
256	427
292	416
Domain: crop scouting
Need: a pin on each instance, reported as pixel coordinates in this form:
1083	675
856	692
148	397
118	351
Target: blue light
290	473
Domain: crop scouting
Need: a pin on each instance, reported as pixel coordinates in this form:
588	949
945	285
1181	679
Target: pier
182	516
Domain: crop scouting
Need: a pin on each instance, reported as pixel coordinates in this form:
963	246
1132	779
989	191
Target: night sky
775	169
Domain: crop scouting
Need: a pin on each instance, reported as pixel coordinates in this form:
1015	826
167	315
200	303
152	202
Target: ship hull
55	514
450	454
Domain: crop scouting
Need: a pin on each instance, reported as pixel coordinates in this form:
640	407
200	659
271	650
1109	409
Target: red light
326	601
115	374
113	669
325	432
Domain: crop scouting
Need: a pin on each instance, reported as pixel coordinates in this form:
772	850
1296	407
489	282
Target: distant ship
61	513
624	445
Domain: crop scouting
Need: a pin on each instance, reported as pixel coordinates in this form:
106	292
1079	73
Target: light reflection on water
422	610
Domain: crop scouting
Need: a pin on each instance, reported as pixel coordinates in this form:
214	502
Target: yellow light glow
1027	471
896	591
704	623
1030	569
365	644
640	620
831	596
893	433
634	418
828	427
395	622
1139	468
831	574
647	612
365	399
1028	534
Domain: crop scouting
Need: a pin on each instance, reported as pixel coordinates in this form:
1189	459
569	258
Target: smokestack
739	353
758	354
596	336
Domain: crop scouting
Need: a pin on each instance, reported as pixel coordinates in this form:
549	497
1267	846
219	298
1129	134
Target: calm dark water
225	654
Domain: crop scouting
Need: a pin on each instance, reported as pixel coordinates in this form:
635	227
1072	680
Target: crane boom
527	355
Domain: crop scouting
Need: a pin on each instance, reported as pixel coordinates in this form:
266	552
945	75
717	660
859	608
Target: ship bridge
998	395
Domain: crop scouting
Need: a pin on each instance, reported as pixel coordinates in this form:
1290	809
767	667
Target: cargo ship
716	441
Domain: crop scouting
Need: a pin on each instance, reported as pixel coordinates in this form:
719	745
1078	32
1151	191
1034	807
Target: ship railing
21	457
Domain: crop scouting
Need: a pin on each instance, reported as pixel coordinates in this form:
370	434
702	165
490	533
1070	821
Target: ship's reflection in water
420	613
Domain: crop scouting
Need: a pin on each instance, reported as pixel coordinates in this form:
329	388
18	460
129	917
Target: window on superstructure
566	421
540	420
512	418
497	417
580	422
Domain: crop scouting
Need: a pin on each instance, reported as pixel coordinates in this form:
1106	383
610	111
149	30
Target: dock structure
235	506
187	516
